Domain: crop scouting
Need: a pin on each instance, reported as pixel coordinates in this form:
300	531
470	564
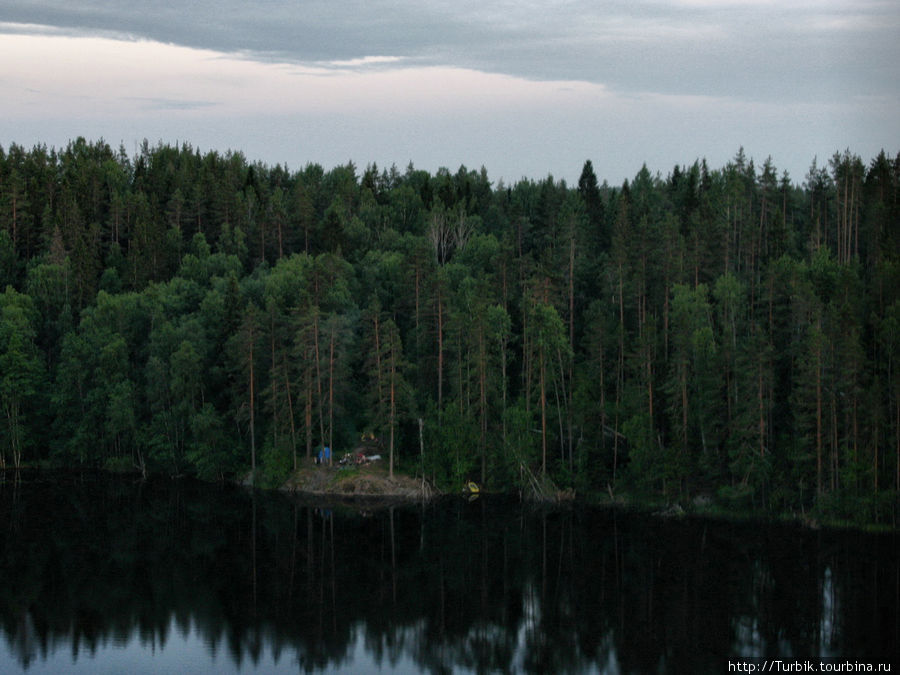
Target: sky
522	88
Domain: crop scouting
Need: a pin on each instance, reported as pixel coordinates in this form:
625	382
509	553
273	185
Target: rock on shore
370	480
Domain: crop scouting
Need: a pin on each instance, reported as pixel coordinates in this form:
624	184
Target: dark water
100	575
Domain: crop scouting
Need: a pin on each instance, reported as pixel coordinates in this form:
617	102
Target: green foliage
9	262
522	448
647	467
452	456
213	452
716	330
277	464
21	378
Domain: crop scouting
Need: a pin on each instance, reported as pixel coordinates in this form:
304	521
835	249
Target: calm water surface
103	575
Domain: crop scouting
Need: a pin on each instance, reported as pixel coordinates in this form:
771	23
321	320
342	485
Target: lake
111	575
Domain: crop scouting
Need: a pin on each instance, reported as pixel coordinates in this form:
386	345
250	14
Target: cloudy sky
523	88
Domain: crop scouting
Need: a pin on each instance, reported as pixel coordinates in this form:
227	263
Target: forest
718	332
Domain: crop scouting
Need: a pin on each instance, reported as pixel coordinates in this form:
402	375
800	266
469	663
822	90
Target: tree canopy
711	331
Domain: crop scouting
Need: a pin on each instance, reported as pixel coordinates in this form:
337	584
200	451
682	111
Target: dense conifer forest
708	331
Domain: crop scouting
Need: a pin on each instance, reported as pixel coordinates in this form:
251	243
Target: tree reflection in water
88	564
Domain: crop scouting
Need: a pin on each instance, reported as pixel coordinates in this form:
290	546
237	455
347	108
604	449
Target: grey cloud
309	31
786	51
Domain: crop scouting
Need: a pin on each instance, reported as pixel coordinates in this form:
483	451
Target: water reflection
216	579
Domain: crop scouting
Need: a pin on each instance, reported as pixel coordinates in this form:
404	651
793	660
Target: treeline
718	331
